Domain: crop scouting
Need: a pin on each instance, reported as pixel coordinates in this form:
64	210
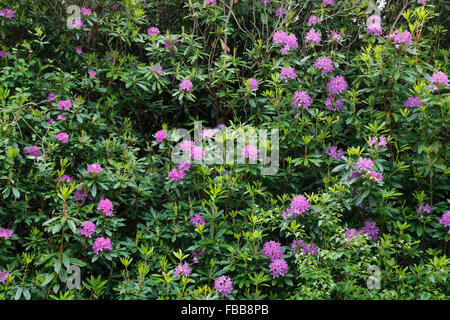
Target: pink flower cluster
176	174
102	244
424	207
301	100
278	267
223	285
106	207
334	152
324	64
4	275
379	142
327	3
65	104
412	102
439	80
197	220
183	165
66	178
401	39
94	168
63	137
4	54
364	164
445	220
335	36
351	236
288	73
253	84
250	151
301	247
313	37
153	31
92	74
374	26
313	20
32	150
370	227
337	85
196	152
183	270
186	85
375	176
299	205
6	233
77	23
208	133
158	71
160	135
7	13
85	11
272	250
288	41
87	229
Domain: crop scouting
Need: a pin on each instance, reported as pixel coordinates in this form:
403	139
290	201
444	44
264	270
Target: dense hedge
90	102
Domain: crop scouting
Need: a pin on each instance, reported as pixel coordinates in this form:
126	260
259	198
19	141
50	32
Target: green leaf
48	278
16	192
65	260
18	293
72	226
26	294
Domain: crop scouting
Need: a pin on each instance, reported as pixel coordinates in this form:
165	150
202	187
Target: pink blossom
176	175
301	100
153	31
324	64
106	207
313	37
87	229
250	151
253	84
197	153
186	85
313	20
160	135
288	73
412	102
223	285
94	168
63	137
439	80
327	3
32	150
289	41
77	23
86	11
183	270
364	164
6	233
335	36
278	267
101	244
184	166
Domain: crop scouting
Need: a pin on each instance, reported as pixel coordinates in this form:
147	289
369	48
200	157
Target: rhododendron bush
114	116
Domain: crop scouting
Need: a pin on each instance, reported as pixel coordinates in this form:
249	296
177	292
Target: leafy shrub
90	103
